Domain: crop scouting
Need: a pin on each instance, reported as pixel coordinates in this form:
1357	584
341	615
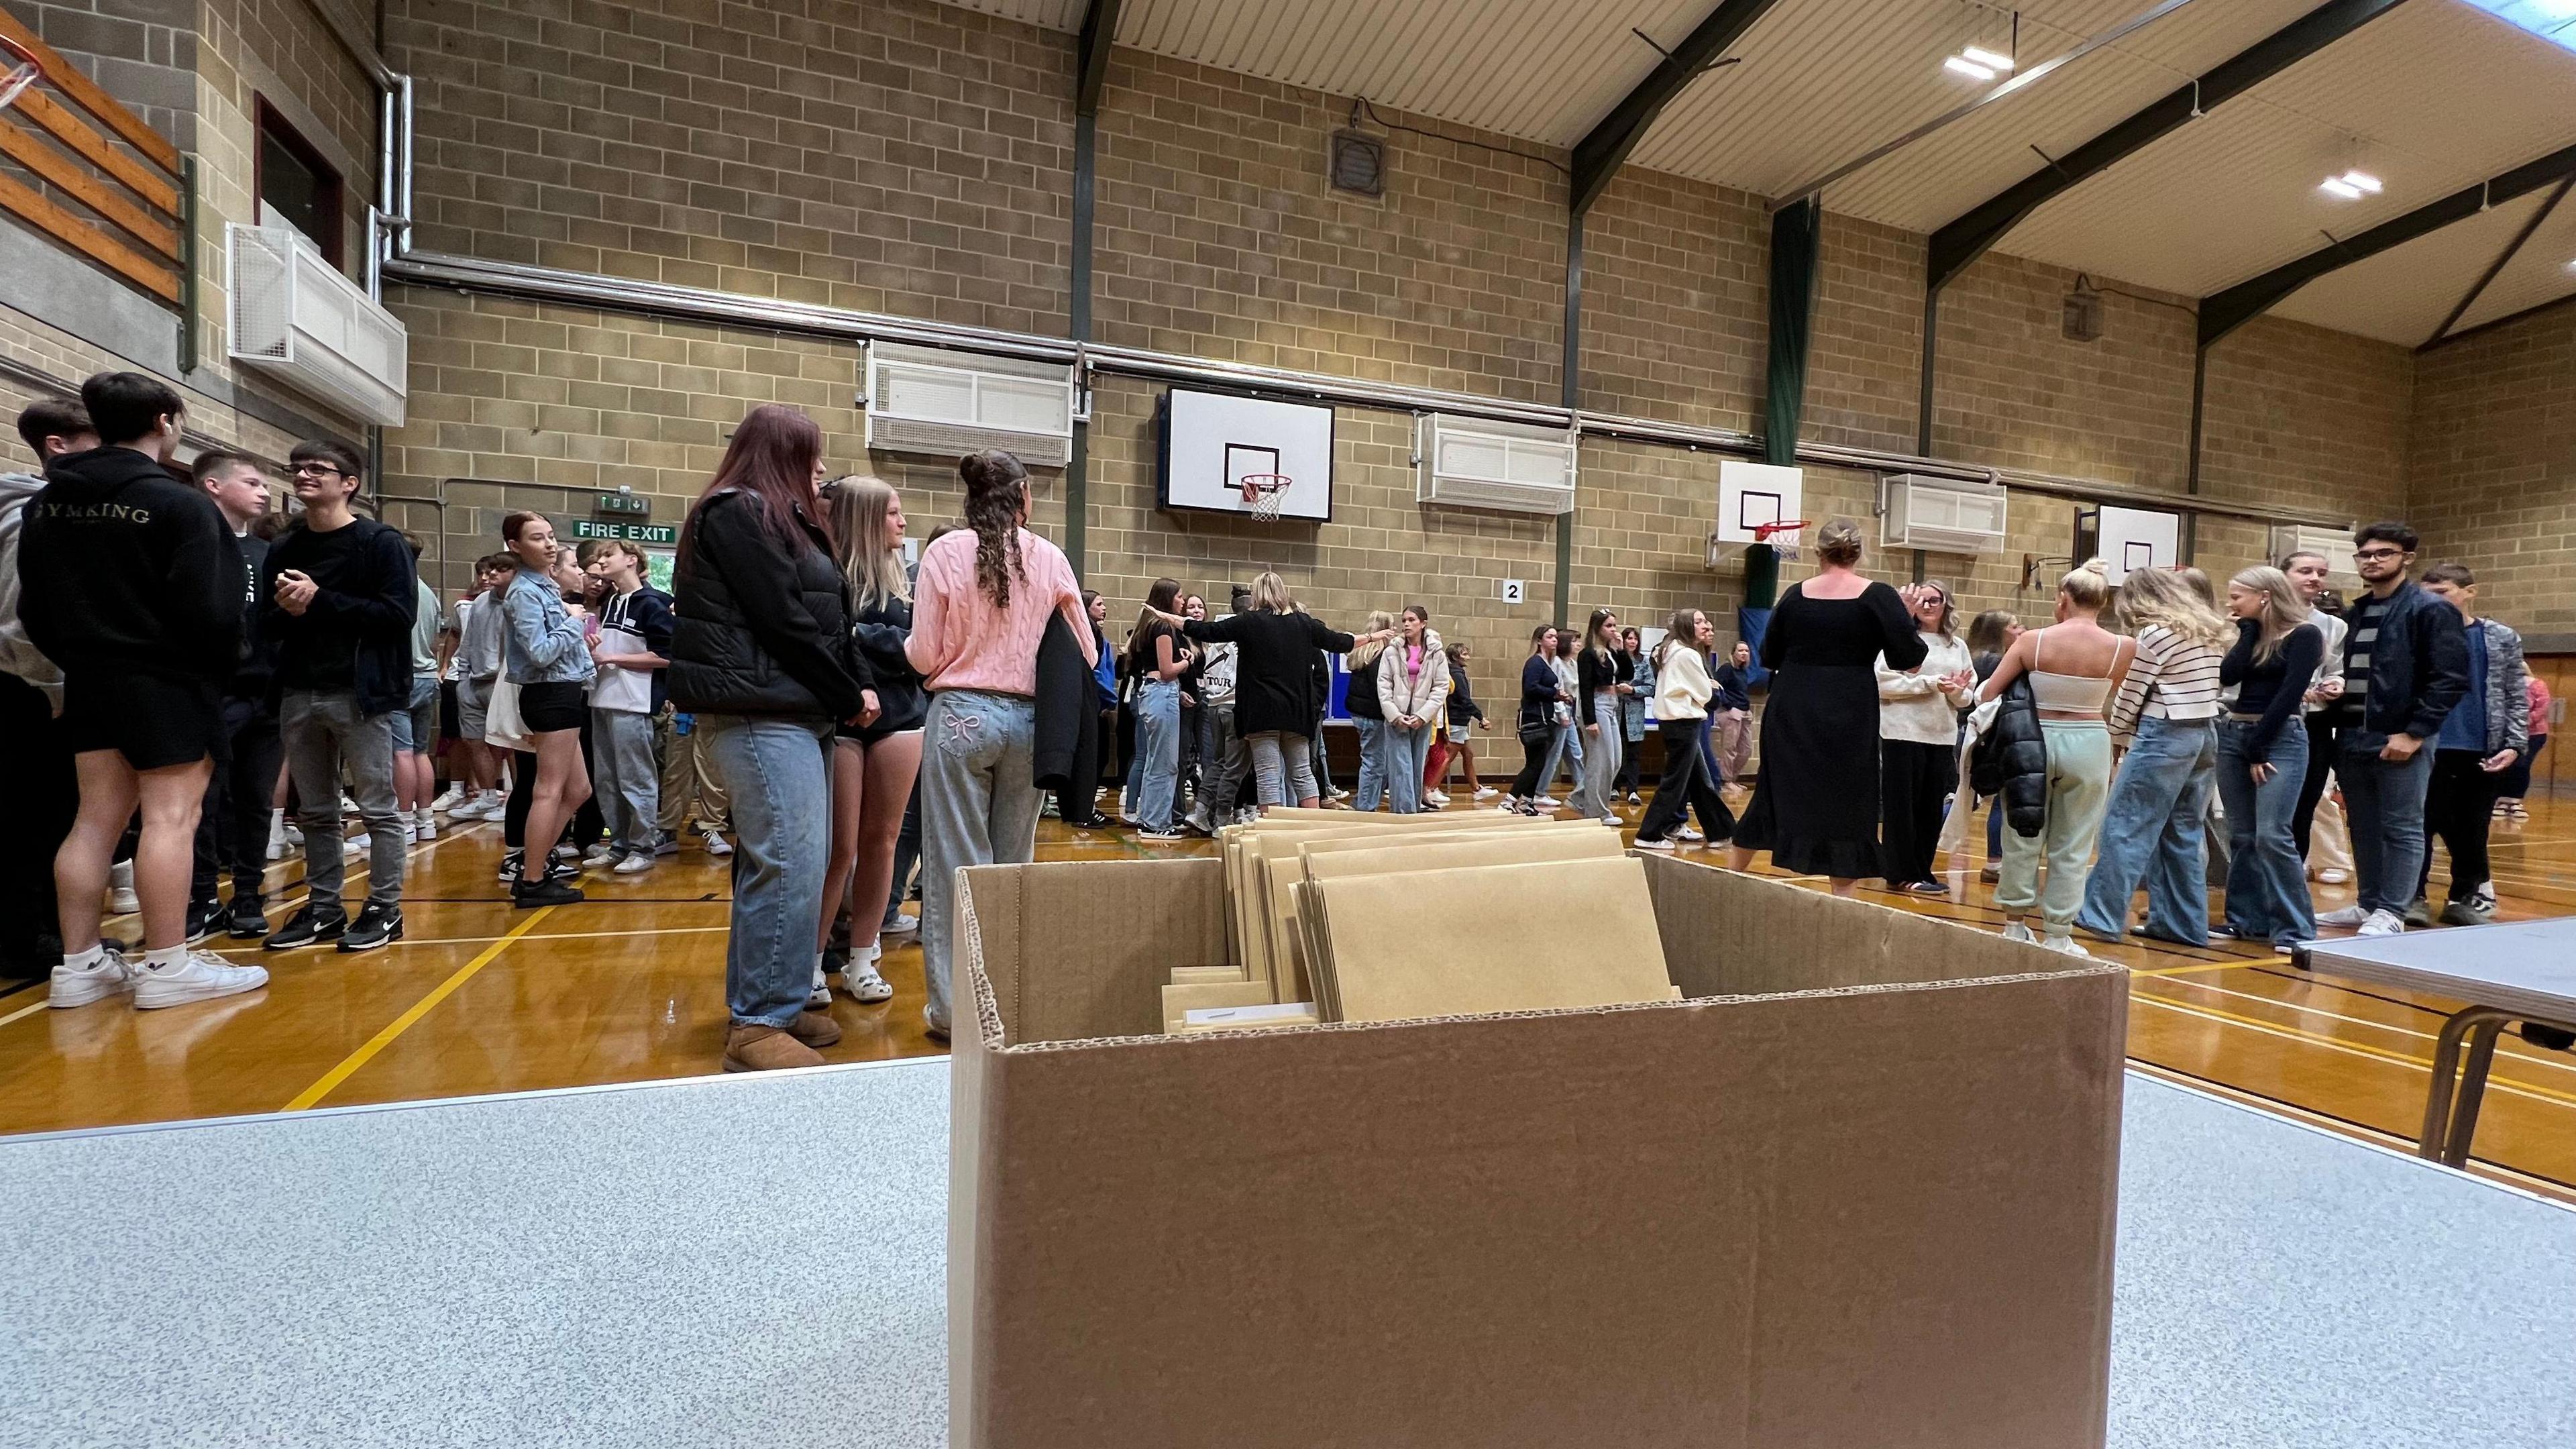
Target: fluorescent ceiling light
1979	55
2361	181
2550	19
1968	68
2340	187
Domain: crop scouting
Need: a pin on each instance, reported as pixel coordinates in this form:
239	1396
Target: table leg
2473	1089
2446	1067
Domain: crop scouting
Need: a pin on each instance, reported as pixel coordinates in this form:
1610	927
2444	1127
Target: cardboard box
1857	1192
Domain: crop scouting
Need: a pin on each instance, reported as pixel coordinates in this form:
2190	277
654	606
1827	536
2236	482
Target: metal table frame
2451	1113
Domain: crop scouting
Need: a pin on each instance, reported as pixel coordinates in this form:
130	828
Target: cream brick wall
2492	472
33	343
1675	298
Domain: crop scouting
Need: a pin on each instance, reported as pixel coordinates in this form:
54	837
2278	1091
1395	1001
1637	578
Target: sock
168	958
83	960
818	970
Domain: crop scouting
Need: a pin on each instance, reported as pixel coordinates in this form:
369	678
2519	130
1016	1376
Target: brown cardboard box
1858	1192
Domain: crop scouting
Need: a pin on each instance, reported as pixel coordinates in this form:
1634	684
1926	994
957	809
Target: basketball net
1264	494
18	72
1781	538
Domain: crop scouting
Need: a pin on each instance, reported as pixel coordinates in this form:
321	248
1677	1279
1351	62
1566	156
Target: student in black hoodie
232	828
338	593
42	797
132	583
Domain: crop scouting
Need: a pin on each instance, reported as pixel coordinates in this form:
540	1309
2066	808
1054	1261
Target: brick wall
2296	415
898	155
2492	470
37	345
143	52
1675	301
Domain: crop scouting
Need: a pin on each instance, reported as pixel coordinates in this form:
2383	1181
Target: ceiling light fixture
1979	55
2361	180
2337	186
1968	68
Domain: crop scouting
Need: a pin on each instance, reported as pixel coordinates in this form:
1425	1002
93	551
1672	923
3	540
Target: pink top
960	641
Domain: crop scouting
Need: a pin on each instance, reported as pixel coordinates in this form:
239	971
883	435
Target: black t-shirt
322	651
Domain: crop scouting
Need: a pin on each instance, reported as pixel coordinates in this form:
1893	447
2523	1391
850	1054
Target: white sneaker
294	834
2016	931
820	998
2331	876
2383	923
448	800
1487	792
902	925
352	846
1613	821
201	976
2063	946
105	977
635	864
410	830
597	856
2343	916
717	845
120	889
2484	897
1632	798
1686	833
347	805
424	825
490	805
1437	797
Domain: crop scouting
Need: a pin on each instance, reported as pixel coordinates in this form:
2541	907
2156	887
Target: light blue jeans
978	807
777	773
1158	752
1406	753
1372	790
2267	883
1565	742
2153	831
2383	800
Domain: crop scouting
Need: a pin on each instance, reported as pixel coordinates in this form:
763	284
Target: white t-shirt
456	613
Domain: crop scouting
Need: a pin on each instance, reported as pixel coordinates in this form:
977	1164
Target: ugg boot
766	1049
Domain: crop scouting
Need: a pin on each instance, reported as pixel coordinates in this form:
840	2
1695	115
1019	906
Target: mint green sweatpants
2079	787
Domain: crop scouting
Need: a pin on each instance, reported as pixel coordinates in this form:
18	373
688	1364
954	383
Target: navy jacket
2419	669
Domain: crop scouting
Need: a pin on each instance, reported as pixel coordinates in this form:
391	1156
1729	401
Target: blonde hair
863	543
2283	610
2088	584
1949	607
1369	649
1839	543
1270	594
2165	599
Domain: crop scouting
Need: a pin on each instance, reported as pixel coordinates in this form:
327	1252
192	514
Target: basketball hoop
1264	494
22	71
1781	537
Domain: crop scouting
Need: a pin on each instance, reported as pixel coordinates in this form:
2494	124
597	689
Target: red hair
771	460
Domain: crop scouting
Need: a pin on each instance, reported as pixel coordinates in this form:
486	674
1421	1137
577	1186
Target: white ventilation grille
293	315
924	400
1508	467
1942	514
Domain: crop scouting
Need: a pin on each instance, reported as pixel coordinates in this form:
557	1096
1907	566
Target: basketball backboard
1212	441
1756	493
2132	539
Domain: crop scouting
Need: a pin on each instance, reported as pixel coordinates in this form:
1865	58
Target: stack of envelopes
1339	916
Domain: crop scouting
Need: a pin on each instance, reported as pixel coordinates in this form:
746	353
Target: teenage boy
42	798
339	594
133	584
478	668
632	649
2479	742
233	826
2405	665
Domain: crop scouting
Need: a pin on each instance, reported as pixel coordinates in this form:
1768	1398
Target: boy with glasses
339	595
2405	665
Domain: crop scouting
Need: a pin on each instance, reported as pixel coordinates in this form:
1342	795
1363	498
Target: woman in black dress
1820	732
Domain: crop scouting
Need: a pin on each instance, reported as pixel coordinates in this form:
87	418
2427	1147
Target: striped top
2172	678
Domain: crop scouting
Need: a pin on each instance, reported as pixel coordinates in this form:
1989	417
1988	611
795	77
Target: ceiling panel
1063	15
2402	294
2438	94
2543	271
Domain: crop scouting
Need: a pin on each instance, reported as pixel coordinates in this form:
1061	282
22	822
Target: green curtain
1796	233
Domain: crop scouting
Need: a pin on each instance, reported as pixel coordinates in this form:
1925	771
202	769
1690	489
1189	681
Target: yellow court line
2287	1033
2194	970
39	1005
403	1023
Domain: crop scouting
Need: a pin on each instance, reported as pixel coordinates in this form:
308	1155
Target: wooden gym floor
629	985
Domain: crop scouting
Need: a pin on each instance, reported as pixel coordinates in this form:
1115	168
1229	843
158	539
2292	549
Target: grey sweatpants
624	777
323	732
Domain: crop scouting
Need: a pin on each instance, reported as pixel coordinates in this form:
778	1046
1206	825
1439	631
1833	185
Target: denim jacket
540	643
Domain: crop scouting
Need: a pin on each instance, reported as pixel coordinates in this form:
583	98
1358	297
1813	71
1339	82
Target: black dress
1815	796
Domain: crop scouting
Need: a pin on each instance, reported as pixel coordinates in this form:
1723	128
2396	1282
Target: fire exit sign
661	533
638	505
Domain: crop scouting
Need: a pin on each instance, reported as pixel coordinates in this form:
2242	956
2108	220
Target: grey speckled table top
761	1262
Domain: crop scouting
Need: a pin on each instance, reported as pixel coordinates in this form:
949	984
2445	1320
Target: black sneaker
551	891
205	921
310	926
510	869
245	919
376	926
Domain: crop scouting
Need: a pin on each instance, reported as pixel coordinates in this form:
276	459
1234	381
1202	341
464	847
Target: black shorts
448	722
559	705
152	721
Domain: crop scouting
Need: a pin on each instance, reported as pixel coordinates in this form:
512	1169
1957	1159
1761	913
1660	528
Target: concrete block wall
2492	468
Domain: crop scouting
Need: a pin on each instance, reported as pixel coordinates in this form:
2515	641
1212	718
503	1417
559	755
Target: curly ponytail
995	491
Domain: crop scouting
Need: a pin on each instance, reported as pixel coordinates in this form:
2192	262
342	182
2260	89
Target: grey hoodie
19	654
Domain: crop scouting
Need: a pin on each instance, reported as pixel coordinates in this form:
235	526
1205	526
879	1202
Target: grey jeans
323	733
1224	760
1280	768
626	780
1601	757
979	806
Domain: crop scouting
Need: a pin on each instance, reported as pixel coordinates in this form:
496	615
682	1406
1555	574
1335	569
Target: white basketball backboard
1751	493
1210	441
2133	539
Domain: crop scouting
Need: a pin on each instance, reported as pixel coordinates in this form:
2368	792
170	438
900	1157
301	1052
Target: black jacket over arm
1067	754
1275	663
763	630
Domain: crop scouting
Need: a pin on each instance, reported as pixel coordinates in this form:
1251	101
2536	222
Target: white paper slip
1281	1013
